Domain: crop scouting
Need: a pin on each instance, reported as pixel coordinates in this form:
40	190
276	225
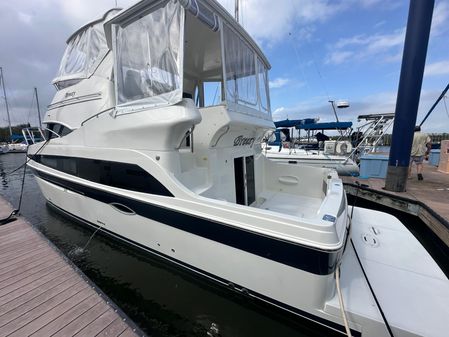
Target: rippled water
161	299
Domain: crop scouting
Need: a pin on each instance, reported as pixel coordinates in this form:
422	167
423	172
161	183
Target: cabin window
240	68
149	55
115	174
53	130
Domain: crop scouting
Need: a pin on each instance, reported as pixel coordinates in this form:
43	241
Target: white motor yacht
135	148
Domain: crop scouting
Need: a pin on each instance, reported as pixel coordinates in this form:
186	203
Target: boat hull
297	291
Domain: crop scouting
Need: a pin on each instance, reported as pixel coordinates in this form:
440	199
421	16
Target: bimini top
85	50
325	126
291	123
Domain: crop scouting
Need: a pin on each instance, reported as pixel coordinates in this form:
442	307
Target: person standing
420	148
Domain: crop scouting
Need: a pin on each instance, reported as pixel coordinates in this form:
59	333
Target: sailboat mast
38	108
2	81
237	10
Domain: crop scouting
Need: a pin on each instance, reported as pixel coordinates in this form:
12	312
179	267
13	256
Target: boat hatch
167	51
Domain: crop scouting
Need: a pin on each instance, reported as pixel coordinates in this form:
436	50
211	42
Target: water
161	299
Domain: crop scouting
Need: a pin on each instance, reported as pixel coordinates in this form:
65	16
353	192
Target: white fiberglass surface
285	203
149	58
82	55
410	287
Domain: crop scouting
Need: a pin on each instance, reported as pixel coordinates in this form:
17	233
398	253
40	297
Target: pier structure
428	199
43	294
410	82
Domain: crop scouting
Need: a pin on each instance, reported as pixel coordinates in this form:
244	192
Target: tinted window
121	175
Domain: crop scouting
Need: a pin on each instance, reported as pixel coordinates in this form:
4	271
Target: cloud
361	47
269	21
279	83
440	18
437	68
338	57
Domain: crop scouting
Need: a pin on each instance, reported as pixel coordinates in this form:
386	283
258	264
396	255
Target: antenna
237	10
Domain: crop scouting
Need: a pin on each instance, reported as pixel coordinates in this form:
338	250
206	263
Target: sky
320	50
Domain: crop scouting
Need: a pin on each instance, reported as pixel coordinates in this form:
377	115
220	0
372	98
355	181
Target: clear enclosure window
240	68
263	86
148	56
82	54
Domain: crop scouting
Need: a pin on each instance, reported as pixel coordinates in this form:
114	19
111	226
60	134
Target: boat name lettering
242	141
70	94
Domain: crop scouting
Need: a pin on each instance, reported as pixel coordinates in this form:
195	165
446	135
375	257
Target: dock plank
48	312
87	317
114	329
96	326
31	269
60	273
41	294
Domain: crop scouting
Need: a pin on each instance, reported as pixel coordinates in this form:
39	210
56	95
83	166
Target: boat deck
428	199
44	294
295	205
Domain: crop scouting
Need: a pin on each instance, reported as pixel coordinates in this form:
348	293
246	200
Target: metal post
335	111
6	100
237	10
38	108
410	82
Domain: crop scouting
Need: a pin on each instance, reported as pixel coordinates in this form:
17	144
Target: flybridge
154	70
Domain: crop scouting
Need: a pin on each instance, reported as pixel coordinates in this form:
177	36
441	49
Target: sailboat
133	150
4	146
14	146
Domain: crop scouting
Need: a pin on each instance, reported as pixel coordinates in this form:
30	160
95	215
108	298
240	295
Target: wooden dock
43	294
428	199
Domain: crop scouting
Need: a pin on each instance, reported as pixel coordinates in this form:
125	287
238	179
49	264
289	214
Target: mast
38	108
2	81
237	10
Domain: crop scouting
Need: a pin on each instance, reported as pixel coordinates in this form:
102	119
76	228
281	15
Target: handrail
96	115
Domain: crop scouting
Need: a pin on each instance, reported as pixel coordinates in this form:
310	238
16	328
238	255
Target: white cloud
25	18
440	18
270	21
358	47
279	82
338	57
80	12
437	68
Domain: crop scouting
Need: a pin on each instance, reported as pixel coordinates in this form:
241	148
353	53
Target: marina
43	294
159	196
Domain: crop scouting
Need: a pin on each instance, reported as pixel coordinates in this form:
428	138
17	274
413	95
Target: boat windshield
85	50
